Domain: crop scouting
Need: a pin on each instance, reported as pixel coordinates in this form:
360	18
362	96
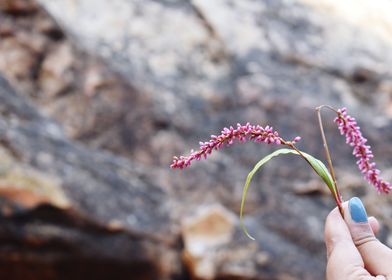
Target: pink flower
348	127
227	137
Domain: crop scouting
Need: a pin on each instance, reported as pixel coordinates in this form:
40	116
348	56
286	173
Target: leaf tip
250	237
245	231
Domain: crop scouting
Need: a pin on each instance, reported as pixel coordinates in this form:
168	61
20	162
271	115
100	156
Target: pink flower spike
348	126
227	137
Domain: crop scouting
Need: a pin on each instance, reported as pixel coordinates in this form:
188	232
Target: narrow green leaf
322	171
249	179
316	164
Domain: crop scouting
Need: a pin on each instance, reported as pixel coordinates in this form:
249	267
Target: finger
374	224
376	256
344	260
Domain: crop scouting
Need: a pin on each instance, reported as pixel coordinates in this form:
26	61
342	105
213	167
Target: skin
353	251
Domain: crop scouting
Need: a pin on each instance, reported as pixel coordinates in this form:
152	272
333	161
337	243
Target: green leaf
316	164
322	171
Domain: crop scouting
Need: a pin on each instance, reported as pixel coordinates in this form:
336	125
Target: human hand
353	251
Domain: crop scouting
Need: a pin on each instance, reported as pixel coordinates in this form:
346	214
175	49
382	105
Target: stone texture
211	228
140	81
48	219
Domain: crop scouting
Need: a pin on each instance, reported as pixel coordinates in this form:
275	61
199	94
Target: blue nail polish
357	210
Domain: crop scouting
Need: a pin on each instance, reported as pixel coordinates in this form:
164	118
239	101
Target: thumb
376	256
344	260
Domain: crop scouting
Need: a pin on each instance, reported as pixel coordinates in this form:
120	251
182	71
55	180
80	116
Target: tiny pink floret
348	127
228	137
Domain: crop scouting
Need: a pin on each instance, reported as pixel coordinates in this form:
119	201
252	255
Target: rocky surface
105	97
63	204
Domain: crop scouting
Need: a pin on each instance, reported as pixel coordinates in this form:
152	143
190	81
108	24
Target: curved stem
338	197
327	107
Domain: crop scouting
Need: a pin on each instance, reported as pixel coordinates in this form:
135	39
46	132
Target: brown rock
18	6
18	61
55	73
211	228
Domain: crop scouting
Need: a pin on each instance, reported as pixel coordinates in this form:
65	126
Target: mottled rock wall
106	93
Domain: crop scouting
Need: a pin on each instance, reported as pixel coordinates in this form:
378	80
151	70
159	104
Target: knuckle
364	239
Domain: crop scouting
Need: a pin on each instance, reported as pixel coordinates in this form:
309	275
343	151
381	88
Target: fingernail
357	210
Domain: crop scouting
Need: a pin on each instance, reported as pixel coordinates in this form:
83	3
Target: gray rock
65	203
187	69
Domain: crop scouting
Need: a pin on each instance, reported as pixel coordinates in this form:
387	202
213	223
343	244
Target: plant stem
338	197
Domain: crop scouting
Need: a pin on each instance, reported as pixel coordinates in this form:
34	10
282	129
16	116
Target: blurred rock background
97	96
